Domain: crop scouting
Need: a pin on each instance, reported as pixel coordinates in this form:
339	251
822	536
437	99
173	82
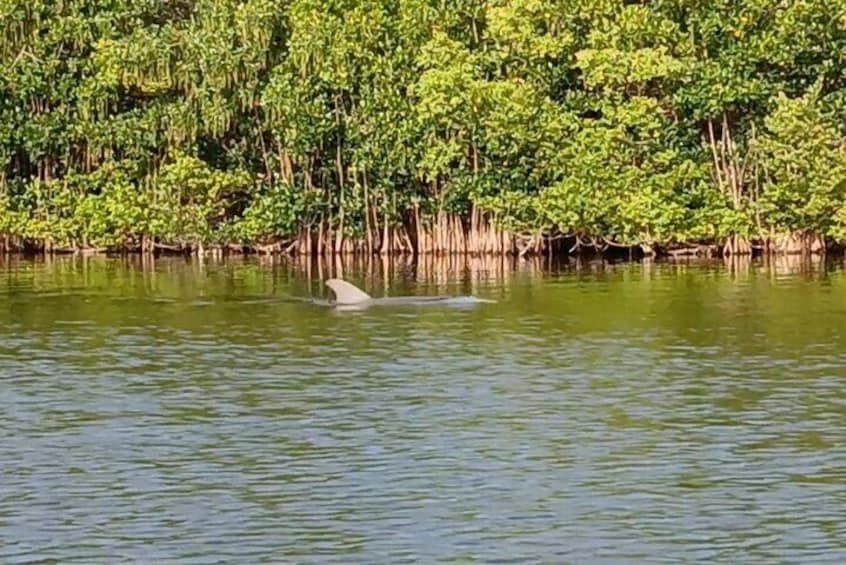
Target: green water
184	412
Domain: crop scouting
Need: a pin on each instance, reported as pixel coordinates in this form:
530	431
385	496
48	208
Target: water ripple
574	421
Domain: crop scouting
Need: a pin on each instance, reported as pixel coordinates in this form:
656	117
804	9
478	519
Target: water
179	412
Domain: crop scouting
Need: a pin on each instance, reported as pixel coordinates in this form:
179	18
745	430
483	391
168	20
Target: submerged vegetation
522	126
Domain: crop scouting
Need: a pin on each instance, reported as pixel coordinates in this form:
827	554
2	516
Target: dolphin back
346	293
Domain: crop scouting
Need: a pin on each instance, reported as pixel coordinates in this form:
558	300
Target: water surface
176	411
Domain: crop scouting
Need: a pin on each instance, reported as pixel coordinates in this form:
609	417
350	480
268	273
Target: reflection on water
178	410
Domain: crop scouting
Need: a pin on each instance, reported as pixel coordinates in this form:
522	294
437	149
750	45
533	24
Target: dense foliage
388	125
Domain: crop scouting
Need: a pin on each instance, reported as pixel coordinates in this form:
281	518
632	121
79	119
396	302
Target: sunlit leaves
803	169
190	121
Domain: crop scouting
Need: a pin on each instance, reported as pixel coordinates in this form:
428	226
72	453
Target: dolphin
349	295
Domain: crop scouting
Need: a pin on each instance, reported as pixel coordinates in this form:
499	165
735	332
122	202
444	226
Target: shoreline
552	248
616	254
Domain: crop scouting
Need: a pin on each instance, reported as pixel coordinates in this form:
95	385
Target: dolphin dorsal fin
346	293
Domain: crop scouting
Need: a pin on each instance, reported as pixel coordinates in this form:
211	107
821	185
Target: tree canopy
428	125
